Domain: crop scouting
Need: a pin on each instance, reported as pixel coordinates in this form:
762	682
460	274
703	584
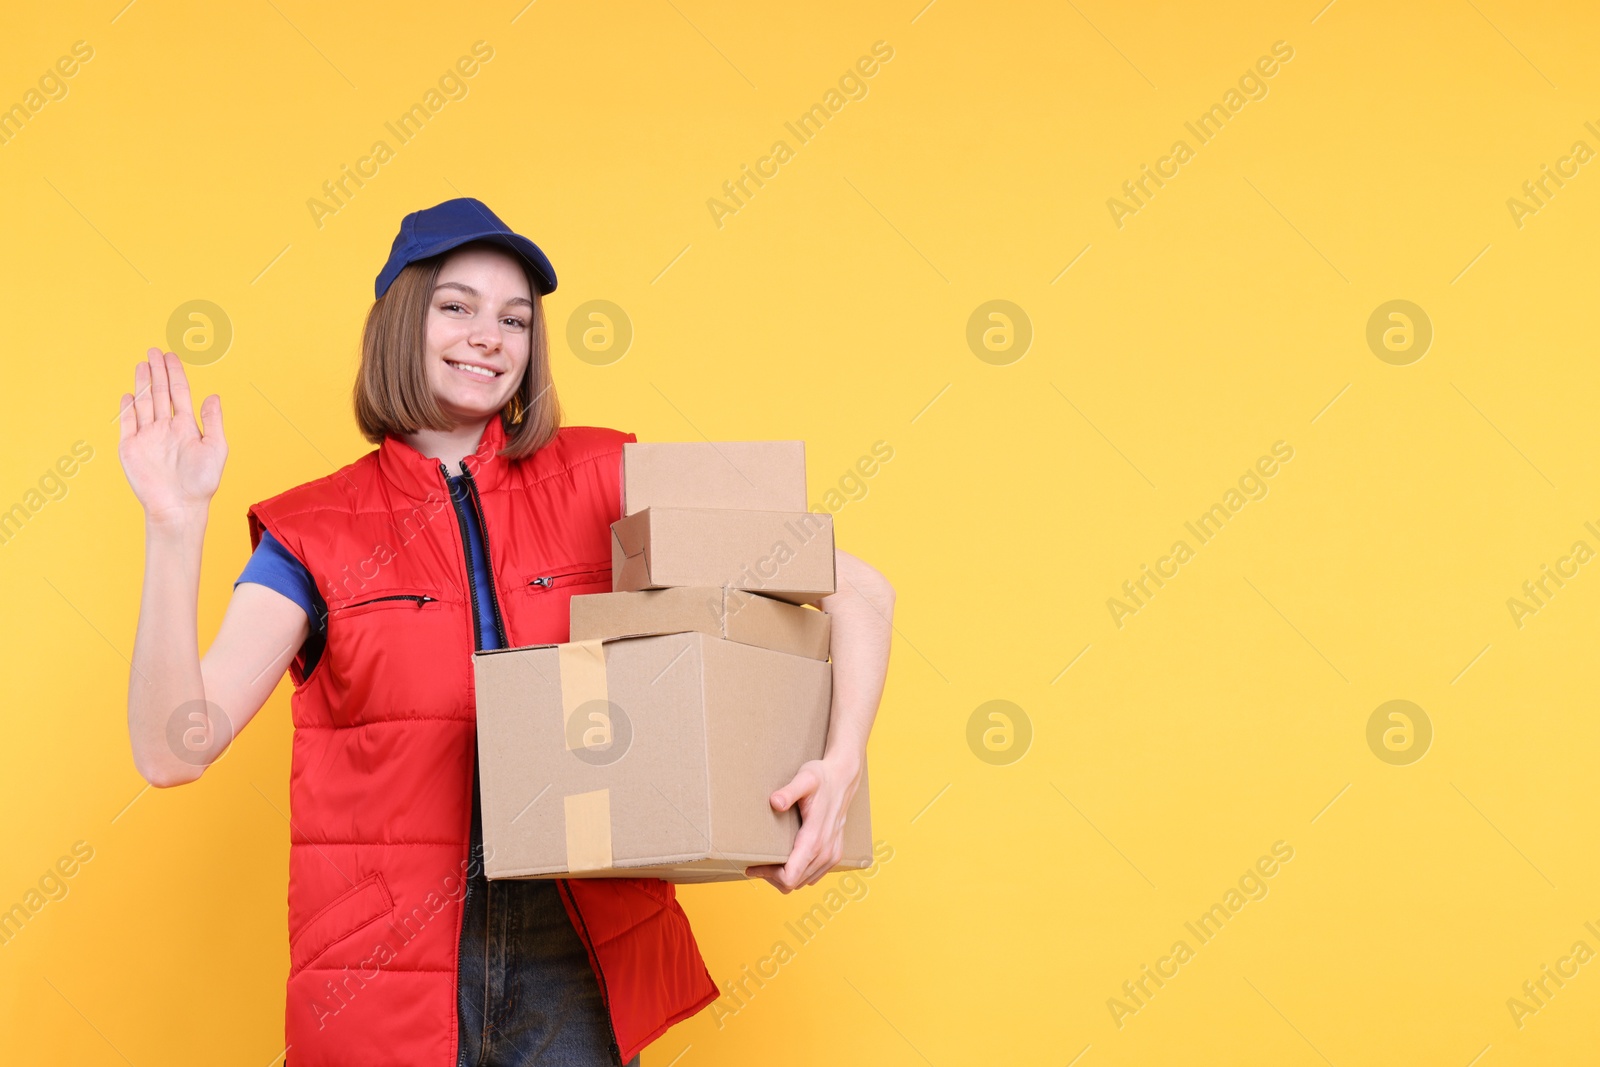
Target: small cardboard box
737	475
783	554
716	610
648	757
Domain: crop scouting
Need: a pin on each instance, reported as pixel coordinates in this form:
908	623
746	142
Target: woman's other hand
823	789
862	612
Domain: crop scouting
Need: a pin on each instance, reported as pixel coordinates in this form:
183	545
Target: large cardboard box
783	554
648	757
739	475
748	618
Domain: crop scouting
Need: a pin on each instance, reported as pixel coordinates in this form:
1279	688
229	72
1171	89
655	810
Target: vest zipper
494	596
466	553
605	994
420	598
461	941
477	642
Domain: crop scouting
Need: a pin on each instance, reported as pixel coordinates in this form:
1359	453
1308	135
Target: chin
470	412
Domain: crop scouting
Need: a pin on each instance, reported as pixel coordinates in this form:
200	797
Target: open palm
172	466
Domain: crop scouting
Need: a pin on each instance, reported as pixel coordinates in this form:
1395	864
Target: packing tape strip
583	678
589	830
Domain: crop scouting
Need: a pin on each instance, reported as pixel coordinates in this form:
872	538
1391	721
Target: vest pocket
362	903
384	600
574	575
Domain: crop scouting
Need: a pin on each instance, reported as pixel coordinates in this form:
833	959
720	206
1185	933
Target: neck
448	446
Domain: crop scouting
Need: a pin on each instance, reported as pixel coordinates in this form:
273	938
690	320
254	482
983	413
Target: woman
470	526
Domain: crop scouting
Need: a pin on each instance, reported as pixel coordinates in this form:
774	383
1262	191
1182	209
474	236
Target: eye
451	304
517	322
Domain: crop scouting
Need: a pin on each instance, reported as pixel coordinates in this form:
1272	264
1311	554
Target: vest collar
418	476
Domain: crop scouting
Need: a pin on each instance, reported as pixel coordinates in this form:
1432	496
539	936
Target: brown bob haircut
391	392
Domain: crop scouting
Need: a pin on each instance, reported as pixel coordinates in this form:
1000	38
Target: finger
830	845
802	784
160	394
818	865
127	424
825	864
815	868
178	383
211	418
800	859
769	871
765	873
144	410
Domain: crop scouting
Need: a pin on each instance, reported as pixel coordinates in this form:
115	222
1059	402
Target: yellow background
1222	317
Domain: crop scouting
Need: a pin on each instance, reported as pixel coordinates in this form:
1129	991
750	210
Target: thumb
211	416
803	784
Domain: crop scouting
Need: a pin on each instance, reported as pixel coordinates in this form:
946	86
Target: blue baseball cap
455	222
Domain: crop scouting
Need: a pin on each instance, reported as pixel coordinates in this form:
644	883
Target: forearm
861	613
165	674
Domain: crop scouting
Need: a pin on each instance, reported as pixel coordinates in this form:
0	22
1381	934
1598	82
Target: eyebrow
470	291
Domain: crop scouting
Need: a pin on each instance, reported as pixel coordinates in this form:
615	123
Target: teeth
481	371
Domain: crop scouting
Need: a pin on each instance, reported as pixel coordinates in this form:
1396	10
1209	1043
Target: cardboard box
783	554
648	757
738	475
732	614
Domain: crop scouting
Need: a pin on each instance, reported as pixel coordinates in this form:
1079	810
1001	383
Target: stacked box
728	513
649	744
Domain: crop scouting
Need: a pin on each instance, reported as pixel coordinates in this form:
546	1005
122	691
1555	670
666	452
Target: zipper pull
547	582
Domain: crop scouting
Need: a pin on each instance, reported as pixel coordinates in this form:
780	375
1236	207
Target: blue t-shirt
275	567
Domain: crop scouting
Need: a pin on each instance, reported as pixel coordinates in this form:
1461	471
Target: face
480	322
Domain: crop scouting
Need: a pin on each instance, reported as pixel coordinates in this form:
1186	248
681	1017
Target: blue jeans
528	995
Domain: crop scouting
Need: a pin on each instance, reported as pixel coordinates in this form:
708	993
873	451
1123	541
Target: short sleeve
275	567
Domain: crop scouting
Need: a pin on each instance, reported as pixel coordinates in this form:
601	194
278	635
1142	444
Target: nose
486	335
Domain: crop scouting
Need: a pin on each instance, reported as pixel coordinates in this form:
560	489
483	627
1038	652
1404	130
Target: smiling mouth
476	371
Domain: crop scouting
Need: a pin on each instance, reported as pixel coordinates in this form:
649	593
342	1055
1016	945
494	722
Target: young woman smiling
470	526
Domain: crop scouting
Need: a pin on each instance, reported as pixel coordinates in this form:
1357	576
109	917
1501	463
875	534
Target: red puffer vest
380	786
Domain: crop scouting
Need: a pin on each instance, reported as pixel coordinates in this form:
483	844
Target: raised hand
173	467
